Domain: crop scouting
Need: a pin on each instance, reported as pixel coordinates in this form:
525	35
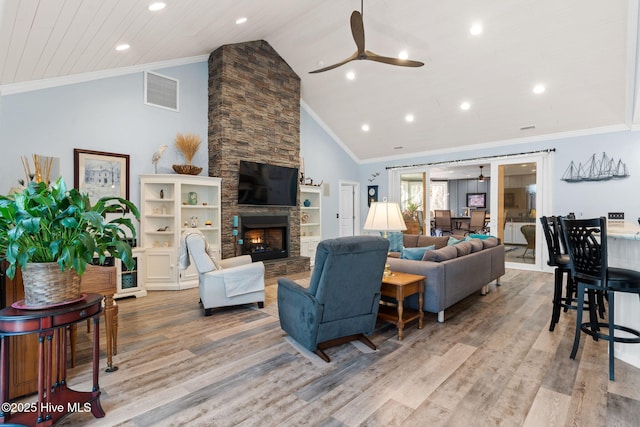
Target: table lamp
385	217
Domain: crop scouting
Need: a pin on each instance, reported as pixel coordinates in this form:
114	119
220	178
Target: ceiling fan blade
357	30
392	61
331	67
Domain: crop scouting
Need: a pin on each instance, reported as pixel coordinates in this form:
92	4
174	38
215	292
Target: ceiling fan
357	30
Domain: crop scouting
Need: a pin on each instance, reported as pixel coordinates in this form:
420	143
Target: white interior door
348	206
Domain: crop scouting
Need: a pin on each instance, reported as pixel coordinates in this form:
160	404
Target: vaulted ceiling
582	51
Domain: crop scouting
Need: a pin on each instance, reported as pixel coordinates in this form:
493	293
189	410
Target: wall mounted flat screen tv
477	200
267	185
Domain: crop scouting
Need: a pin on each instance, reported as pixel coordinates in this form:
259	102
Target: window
439	195
411	191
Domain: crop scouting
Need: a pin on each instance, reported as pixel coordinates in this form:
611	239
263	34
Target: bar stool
559	259
587	245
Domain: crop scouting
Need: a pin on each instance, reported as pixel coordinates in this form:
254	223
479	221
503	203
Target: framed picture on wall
101	174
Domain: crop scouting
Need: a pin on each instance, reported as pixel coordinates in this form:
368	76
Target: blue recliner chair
341	303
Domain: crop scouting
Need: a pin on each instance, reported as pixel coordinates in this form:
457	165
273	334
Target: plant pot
45	285
413	226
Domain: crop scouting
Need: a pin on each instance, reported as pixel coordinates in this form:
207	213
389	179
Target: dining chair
476	222
529	233
586	241
443	220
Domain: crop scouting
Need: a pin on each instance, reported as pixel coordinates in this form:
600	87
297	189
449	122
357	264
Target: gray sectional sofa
453	272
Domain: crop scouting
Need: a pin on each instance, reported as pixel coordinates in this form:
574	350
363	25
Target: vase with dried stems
42	168
188	145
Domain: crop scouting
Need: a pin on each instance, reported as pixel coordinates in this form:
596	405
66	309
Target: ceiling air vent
160	91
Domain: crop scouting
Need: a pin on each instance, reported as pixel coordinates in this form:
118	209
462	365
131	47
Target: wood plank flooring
492	363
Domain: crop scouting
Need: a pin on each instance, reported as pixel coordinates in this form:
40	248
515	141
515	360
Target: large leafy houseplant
46	224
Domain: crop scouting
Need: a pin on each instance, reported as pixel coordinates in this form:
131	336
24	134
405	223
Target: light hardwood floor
492	363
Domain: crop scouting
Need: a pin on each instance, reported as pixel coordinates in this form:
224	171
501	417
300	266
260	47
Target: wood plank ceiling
583	51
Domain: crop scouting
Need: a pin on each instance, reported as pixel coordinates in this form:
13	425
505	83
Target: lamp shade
384	216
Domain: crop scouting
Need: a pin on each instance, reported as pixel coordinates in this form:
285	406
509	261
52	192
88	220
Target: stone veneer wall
254	115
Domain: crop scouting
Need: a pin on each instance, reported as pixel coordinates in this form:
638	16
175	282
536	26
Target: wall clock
372	194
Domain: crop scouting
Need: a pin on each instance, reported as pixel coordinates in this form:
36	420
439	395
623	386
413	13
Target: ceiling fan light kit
357	31
481	177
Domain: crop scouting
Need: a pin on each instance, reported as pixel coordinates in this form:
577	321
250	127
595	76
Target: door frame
544	194
544	168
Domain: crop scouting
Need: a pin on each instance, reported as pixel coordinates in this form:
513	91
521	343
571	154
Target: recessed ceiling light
365	127
409	118
403	54
122	47
465	106
476	29
538	89
351	75
241	20
154	7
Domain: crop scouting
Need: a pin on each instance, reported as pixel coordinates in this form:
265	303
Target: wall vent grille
160	91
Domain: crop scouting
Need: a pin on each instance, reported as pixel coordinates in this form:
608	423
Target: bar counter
624	252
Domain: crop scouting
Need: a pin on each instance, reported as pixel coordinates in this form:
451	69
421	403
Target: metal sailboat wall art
594	169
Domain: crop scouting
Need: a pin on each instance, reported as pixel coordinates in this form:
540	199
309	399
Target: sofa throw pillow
415	254
395	241
453	241
439	242
476	245
410	240
463	248
439	255
490	242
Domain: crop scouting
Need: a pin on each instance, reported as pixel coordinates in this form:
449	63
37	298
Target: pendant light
481	177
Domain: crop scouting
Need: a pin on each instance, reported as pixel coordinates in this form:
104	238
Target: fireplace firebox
265	237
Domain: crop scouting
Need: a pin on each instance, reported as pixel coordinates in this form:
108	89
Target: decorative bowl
187	169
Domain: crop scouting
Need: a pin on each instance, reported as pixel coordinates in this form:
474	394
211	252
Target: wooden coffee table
400	286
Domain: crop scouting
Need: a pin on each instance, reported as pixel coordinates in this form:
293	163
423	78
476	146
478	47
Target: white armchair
234	281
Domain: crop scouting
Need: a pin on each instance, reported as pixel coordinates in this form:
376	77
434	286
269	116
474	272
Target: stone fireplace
264	237
254	115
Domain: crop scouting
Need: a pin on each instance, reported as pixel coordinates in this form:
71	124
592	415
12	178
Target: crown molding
502	143
14	88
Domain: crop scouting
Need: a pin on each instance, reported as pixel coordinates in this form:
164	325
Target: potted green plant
52	233
411	211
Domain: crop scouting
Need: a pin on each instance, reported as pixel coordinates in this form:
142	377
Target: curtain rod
453	162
